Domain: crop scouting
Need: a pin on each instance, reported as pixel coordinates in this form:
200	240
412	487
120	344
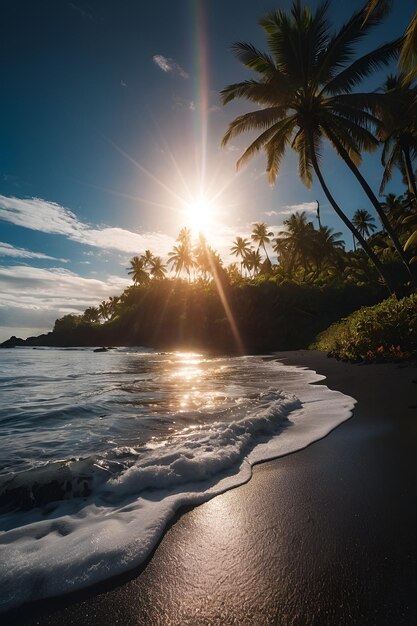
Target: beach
321	536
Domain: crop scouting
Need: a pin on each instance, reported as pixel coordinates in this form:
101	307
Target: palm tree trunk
368	250
374	200
412	188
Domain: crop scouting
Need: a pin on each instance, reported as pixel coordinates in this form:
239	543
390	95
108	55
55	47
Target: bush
384	332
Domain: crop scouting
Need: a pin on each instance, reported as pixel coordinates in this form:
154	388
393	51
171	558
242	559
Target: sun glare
199	216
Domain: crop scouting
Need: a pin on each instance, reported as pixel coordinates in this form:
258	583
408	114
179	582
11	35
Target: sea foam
75	542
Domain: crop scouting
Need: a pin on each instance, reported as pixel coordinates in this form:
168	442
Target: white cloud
6	249
33	298
308	207
50	217
169	65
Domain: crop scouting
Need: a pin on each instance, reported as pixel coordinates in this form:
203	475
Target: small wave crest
112	509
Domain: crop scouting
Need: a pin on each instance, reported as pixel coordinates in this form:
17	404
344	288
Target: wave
74	523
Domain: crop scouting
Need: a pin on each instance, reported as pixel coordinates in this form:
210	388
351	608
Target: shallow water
98	451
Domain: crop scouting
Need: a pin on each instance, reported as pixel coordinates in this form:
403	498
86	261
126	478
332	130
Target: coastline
321	536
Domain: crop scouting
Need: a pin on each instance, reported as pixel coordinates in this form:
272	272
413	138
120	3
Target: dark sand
325	536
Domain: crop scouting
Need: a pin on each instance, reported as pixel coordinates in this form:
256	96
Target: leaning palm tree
304	93
261	236
240	248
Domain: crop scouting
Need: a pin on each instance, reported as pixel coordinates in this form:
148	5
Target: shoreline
320	536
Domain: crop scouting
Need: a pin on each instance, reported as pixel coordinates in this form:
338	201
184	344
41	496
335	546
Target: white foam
76	545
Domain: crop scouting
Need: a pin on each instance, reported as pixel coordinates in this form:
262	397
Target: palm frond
348	78
261	118
341	47
394	157
408	56
260	93
284	128
302	147
253	58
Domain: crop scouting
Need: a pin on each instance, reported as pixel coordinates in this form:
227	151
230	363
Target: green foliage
384	332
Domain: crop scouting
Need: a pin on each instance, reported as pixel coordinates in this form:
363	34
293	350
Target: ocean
98	451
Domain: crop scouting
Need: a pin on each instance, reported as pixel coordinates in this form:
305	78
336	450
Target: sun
199	216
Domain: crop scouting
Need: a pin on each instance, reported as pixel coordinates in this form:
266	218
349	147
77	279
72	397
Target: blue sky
110	126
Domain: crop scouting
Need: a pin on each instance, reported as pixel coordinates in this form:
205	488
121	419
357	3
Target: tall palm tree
304	91
261	236
137	270
240	248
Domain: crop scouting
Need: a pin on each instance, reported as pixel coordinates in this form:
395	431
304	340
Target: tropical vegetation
385	332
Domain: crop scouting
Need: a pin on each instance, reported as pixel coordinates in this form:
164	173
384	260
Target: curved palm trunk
374	200
266	253
412	187
368	250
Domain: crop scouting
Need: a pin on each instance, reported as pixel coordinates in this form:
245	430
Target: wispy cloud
34	297
169	65
6	249
50	217
289	209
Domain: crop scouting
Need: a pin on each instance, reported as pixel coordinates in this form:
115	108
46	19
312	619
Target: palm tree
104	310
91	315
398	131
296	242
147	258
180	258
158	268
408	56
303	89
113	303
261	236
137	270
253	261
240	248
327	247
184	236
364	222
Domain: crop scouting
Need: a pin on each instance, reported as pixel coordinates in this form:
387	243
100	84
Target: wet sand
324	536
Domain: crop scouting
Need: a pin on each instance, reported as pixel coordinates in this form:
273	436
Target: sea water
99	450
